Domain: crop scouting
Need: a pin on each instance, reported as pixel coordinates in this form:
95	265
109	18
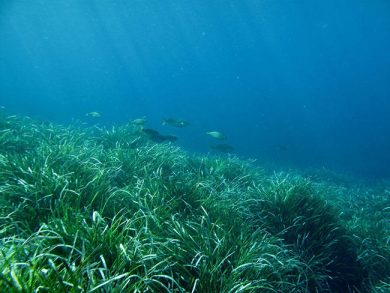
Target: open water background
291	83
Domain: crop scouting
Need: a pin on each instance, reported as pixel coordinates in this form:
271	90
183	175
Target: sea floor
89	209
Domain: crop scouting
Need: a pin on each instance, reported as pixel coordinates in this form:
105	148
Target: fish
150	132
139	121
170	137
175	122
223	148
282	147
216	134
156	136
93	114
153	135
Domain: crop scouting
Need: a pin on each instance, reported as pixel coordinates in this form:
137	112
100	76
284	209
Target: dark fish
156	136
175	122
170	137
150	132
282	148
223	148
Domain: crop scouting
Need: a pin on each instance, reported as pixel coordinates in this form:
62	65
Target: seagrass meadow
89	209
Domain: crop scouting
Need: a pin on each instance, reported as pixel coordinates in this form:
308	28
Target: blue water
292	83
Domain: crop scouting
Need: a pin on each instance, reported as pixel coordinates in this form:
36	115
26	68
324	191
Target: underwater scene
194	146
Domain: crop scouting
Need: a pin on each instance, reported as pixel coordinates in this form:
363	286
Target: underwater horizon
292	84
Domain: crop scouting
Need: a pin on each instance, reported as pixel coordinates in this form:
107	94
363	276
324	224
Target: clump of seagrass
308	226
